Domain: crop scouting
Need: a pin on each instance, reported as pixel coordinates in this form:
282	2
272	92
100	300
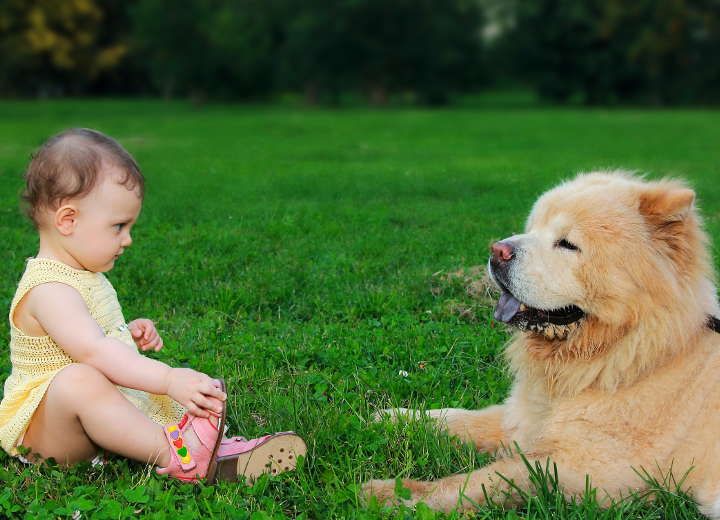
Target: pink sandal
215	458
191	466
273	454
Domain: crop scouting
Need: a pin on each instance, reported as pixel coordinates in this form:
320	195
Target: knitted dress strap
39	271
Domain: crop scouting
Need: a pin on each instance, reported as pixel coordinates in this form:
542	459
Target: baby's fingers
212	390
195	410
144	346
216	405
208	404
153	343
136	331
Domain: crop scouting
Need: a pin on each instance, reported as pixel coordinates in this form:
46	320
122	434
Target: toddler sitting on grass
78	382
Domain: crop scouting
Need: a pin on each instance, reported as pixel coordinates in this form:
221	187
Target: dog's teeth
550	332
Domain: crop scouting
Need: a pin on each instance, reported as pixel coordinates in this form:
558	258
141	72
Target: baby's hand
197	392
145	334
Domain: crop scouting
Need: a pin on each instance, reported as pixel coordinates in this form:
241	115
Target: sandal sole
277	455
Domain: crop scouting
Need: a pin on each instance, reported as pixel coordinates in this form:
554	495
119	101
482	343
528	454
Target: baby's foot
193	444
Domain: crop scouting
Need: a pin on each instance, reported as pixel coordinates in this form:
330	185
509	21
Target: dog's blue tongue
507	307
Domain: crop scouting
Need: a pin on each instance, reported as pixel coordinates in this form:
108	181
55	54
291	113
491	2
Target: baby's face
105	218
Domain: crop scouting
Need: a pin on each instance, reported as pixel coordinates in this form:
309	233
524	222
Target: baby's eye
120	226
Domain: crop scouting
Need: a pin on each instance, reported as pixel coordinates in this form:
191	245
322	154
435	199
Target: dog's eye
566	245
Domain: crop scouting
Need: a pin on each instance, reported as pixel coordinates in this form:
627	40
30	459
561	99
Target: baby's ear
666	202
65	219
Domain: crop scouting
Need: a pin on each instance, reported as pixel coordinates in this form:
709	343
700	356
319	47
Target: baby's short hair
68	165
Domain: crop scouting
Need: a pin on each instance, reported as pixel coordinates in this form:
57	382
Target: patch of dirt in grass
464	291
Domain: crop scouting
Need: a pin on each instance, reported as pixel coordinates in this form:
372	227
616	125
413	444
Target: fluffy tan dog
616	366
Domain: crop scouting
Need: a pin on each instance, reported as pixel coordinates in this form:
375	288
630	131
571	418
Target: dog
615	356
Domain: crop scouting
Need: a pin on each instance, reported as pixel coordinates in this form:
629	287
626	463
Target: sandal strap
178	447
205	430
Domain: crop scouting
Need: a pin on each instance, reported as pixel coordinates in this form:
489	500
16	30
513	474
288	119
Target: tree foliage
605	51
429	47
55	46
248	47
593	51
219	48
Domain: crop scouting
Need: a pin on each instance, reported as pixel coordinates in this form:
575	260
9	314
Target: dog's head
599	251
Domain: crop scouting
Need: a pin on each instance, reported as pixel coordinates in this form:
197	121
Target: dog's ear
667	209
665	203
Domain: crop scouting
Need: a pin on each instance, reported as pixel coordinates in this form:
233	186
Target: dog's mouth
552	323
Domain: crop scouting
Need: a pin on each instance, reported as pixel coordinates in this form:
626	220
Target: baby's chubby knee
79	377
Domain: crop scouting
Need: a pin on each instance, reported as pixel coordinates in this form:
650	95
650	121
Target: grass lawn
316	260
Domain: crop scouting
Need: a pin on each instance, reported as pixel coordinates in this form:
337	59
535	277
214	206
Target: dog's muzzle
551	323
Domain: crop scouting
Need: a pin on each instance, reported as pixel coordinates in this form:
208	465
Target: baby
78	382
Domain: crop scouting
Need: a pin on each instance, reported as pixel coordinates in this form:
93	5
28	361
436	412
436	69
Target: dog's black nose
502	251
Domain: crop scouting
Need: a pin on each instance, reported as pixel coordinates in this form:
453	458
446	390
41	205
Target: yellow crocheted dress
36	359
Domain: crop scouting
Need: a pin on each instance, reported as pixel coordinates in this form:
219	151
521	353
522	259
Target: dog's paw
382	490
393	414
391	492
388	492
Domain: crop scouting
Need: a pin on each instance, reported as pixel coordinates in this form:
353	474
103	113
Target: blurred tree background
657	52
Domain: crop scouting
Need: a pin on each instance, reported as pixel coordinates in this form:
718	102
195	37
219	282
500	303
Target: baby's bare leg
81	411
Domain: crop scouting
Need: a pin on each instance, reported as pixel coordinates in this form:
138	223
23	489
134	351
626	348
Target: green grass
303	255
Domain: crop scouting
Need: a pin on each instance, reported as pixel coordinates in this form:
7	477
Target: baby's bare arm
62	313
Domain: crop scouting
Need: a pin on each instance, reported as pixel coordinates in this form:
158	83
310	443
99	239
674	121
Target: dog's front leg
483	428
458	491
613	476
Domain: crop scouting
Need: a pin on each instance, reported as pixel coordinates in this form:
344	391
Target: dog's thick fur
635	387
